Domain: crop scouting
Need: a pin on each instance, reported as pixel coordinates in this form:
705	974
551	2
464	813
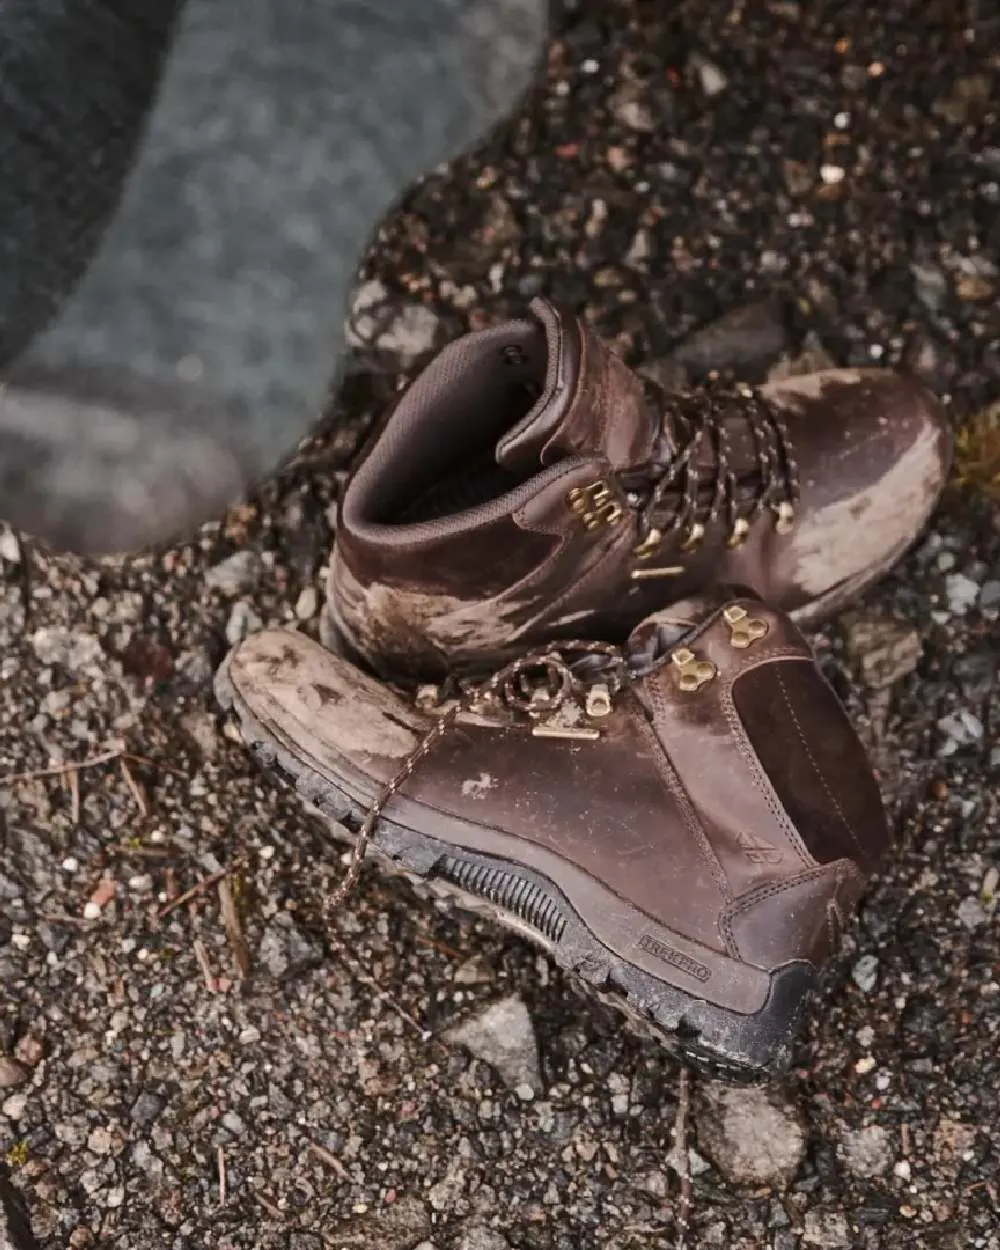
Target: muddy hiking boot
529	486
686	822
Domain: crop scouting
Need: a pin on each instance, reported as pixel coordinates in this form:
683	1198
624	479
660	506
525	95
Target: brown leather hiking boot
686	822
530	486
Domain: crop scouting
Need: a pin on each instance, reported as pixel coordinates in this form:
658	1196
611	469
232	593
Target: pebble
827	1229
961	592
749	338
989	595
867	1151
971	913
12	1073
307	603
865	973
409	330
146	1109
480	1238
503	1036
236	573
286	949
10	548
752	1135
961	729
243	621
884	650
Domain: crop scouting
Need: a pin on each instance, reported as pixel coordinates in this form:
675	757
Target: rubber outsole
719	1042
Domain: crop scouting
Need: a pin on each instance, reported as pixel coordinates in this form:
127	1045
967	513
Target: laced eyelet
649	545
694	536
785	517
738	535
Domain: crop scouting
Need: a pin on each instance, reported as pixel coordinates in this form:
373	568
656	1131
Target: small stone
749	338
960	729
865	973
504	1037
931	284
286	950
631	110
971	913
752	1135
12	1073
409	330
813	358
307	603
146	1109
29	1050
884	650
480	1238
827	1229
867	1152
989	596
10	548
236	573
832	174
243	621
713	80
961	591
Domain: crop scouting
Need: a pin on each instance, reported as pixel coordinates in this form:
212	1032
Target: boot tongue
591	404
667	628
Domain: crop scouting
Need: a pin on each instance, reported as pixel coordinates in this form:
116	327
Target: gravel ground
186	1060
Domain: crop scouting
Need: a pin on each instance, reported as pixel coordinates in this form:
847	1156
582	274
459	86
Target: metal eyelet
648	546
694	536
692	673
745	629
785	517
595	505
740	530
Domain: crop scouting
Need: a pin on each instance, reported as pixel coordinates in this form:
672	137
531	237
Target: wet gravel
215	1070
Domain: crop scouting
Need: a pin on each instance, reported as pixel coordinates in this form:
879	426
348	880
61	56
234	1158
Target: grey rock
883	650
504	1037
286	950
479	1238
243	621
931	284
237	572
864	974
867	1152
813	358
12	1073
10	548
76	650
827	1229
304	1241
960	729
747	338
961	591
752	1135
398	1227
376	321
989	595
971	913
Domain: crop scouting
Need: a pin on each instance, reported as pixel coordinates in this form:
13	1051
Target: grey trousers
187	190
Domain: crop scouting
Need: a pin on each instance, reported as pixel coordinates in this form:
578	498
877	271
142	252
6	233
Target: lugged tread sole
720	1043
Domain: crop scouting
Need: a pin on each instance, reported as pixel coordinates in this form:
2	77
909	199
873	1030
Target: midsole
625	930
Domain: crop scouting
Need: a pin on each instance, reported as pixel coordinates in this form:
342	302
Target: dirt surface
215	1071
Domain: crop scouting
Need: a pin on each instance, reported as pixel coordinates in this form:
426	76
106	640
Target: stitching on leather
668	774
760	777
818	771
749	901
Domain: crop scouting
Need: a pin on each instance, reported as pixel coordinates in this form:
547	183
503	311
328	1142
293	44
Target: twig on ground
683	1159
137	791
271	1209
223	1182
204	884
233	927
73	780
68	767
330	1159
373	985
206	968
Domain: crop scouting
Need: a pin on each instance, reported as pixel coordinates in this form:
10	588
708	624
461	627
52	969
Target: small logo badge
660	950
757	850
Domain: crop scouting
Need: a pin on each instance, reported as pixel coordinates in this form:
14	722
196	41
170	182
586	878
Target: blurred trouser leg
201	339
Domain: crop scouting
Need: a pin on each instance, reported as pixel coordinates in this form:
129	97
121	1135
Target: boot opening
453	416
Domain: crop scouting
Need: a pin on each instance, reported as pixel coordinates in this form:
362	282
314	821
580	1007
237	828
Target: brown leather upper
721	819
547	546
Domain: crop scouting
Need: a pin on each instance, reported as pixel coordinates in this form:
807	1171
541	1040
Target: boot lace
536	690
672	495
